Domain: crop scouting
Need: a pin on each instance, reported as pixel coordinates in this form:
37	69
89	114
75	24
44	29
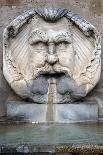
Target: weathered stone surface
67	50
76	112
62	113
90	10
3	106
51	149
24	111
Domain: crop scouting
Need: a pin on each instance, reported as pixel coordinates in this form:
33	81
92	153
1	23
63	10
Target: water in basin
52	134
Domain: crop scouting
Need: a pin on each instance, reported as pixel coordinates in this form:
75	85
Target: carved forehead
41	30
62	24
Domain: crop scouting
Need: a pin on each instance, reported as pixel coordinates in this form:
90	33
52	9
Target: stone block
76	112
62	113
26	111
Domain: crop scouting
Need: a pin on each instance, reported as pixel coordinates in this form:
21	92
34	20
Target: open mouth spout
65	89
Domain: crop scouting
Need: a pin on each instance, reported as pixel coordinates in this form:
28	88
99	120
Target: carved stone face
50	46
45	52
51	54
51	43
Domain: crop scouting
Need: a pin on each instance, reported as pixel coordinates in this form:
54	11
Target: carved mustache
53	70
65	85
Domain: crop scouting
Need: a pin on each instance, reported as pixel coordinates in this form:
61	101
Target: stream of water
49	116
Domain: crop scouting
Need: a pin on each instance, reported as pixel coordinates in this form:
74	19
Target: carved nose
52	57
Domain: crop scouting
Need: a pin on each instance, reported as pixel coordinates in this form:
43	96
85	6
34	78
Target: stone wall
91	10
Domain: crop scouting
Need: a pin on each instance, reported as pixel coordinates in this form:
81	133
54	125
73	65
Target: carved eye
39	43
62	45
63	42
38	46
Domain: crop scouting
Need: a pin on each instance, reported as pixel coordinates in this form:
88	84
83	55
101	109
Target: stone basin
51	138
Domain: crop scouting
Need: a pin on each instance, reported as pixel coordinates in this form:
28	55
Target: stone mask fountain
51	59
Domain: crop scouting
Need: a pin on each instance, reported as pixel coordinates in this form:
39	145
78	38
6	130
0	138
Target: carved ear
87	58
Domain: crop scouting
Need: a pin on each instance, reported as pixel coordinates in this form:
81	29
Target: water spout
50	115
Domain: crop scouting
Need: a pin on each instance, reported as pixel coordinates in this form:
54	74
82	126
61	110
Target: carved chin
64	89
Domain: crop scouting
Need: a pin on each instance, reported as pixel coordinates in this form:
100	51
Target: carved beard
66	89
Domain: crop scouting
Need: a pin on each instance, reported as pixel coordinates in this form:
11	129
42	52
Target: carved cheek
66	56
38	55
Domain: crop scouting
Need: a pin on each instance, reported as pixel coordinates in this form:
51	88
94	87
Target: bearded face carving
46	44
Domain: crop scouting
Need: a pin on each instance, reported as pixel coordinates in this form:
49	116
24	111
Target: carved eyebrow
67	37
37	36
